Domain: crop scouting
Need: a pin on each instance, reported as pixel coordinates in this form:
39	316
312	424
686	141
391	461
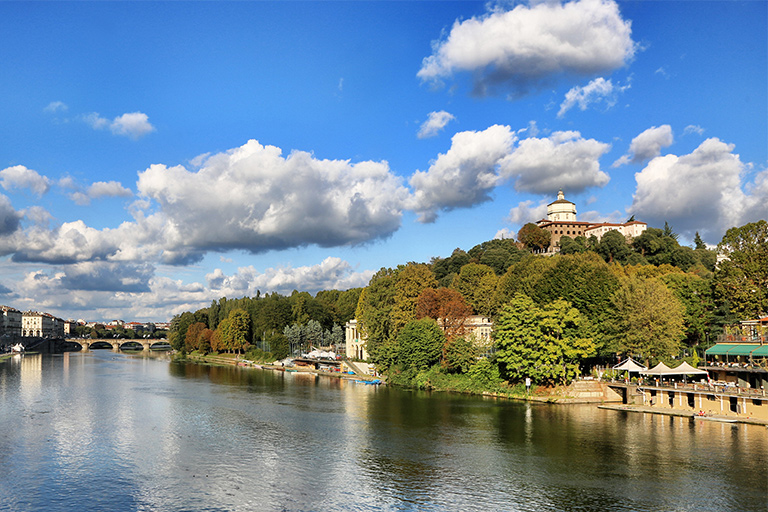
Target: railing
716	387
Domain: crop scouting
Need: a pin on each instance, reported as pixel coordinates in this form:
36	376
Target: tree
238	330
373	311
613	247
179	326
570	245
543	343
459	355
647	319
695	295
447	307
477	284
533	237
742	278
194	334
411	281
698	242
420	344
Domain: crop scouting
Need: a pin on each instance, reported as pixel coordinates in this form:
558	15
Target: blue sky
157	156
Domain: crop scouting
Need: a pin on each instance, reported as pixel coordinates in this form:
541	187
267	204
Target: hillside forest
553	316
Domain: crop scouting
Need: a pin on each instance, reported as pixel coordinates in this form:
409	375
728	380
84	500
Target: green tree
477	284
420	344
613	247
543	343
459	355
373	311
698	242
647	319
695	295
411	281
570	245
742	278
239	329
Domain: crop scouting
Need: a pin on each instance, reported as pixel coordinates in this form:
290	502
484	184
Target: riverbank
234	360
578	392
683	414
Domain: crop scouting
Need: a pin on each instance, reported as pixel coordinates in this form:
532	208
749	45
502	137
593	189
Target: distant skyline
158	156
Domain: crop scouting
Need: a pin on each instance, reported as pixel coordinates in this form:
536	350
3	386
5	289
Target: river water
106	431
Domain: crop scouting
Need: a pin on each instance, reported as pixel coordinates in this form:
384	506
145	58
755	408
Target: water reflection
107	431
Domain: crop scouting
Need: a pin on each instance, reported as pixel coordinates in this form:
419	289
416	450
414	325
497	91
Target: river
107	431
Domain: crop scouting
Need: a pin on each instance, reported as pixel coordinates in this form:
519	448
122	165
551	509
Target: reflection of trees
580	458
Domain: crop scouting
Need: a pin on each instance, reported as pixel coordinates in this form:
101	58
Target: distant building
41	325
355	344
561	221
11	325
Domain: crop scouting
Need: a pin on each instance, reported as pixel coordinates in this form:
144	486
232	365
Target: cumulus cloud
647	145
108	276
253	198
69	243
19	177
564	160
702	191
478	162
157	300
525	48
526	212
331	273
134	124
464	175
435	122
97	190
9	217
504	234
597	91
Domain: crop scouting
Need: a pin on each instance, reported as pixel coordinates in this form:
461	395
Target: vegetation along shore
555	318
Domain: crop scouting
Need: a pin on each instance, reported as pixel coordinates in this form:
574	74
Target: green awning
735	349
719	349
743	349
761	351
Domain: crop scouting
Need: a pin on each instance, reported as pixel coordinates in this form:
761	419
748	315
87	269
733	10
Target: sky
157	156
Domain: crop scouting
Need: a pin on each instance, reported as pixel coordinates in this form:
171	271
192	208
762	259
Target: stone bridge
117	343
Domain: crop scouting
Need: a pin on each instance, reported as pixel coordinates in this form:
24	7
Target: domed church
561	221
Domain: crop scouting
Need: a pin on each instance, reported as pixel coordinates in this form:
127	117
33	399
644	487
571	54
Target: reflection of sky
106	431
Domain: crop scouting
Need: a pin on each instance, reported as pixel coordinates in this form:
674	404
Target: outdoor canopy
683	369
629	365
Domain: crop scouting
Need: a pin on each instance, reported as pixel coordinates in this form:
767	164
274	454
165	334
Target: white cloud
56	106
18	177
331	273
478	162
564	160
597	91
435	122
464	175
134	124
525	212
693	128
504	234
529	46
701	191
253	198
647	145
97	190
